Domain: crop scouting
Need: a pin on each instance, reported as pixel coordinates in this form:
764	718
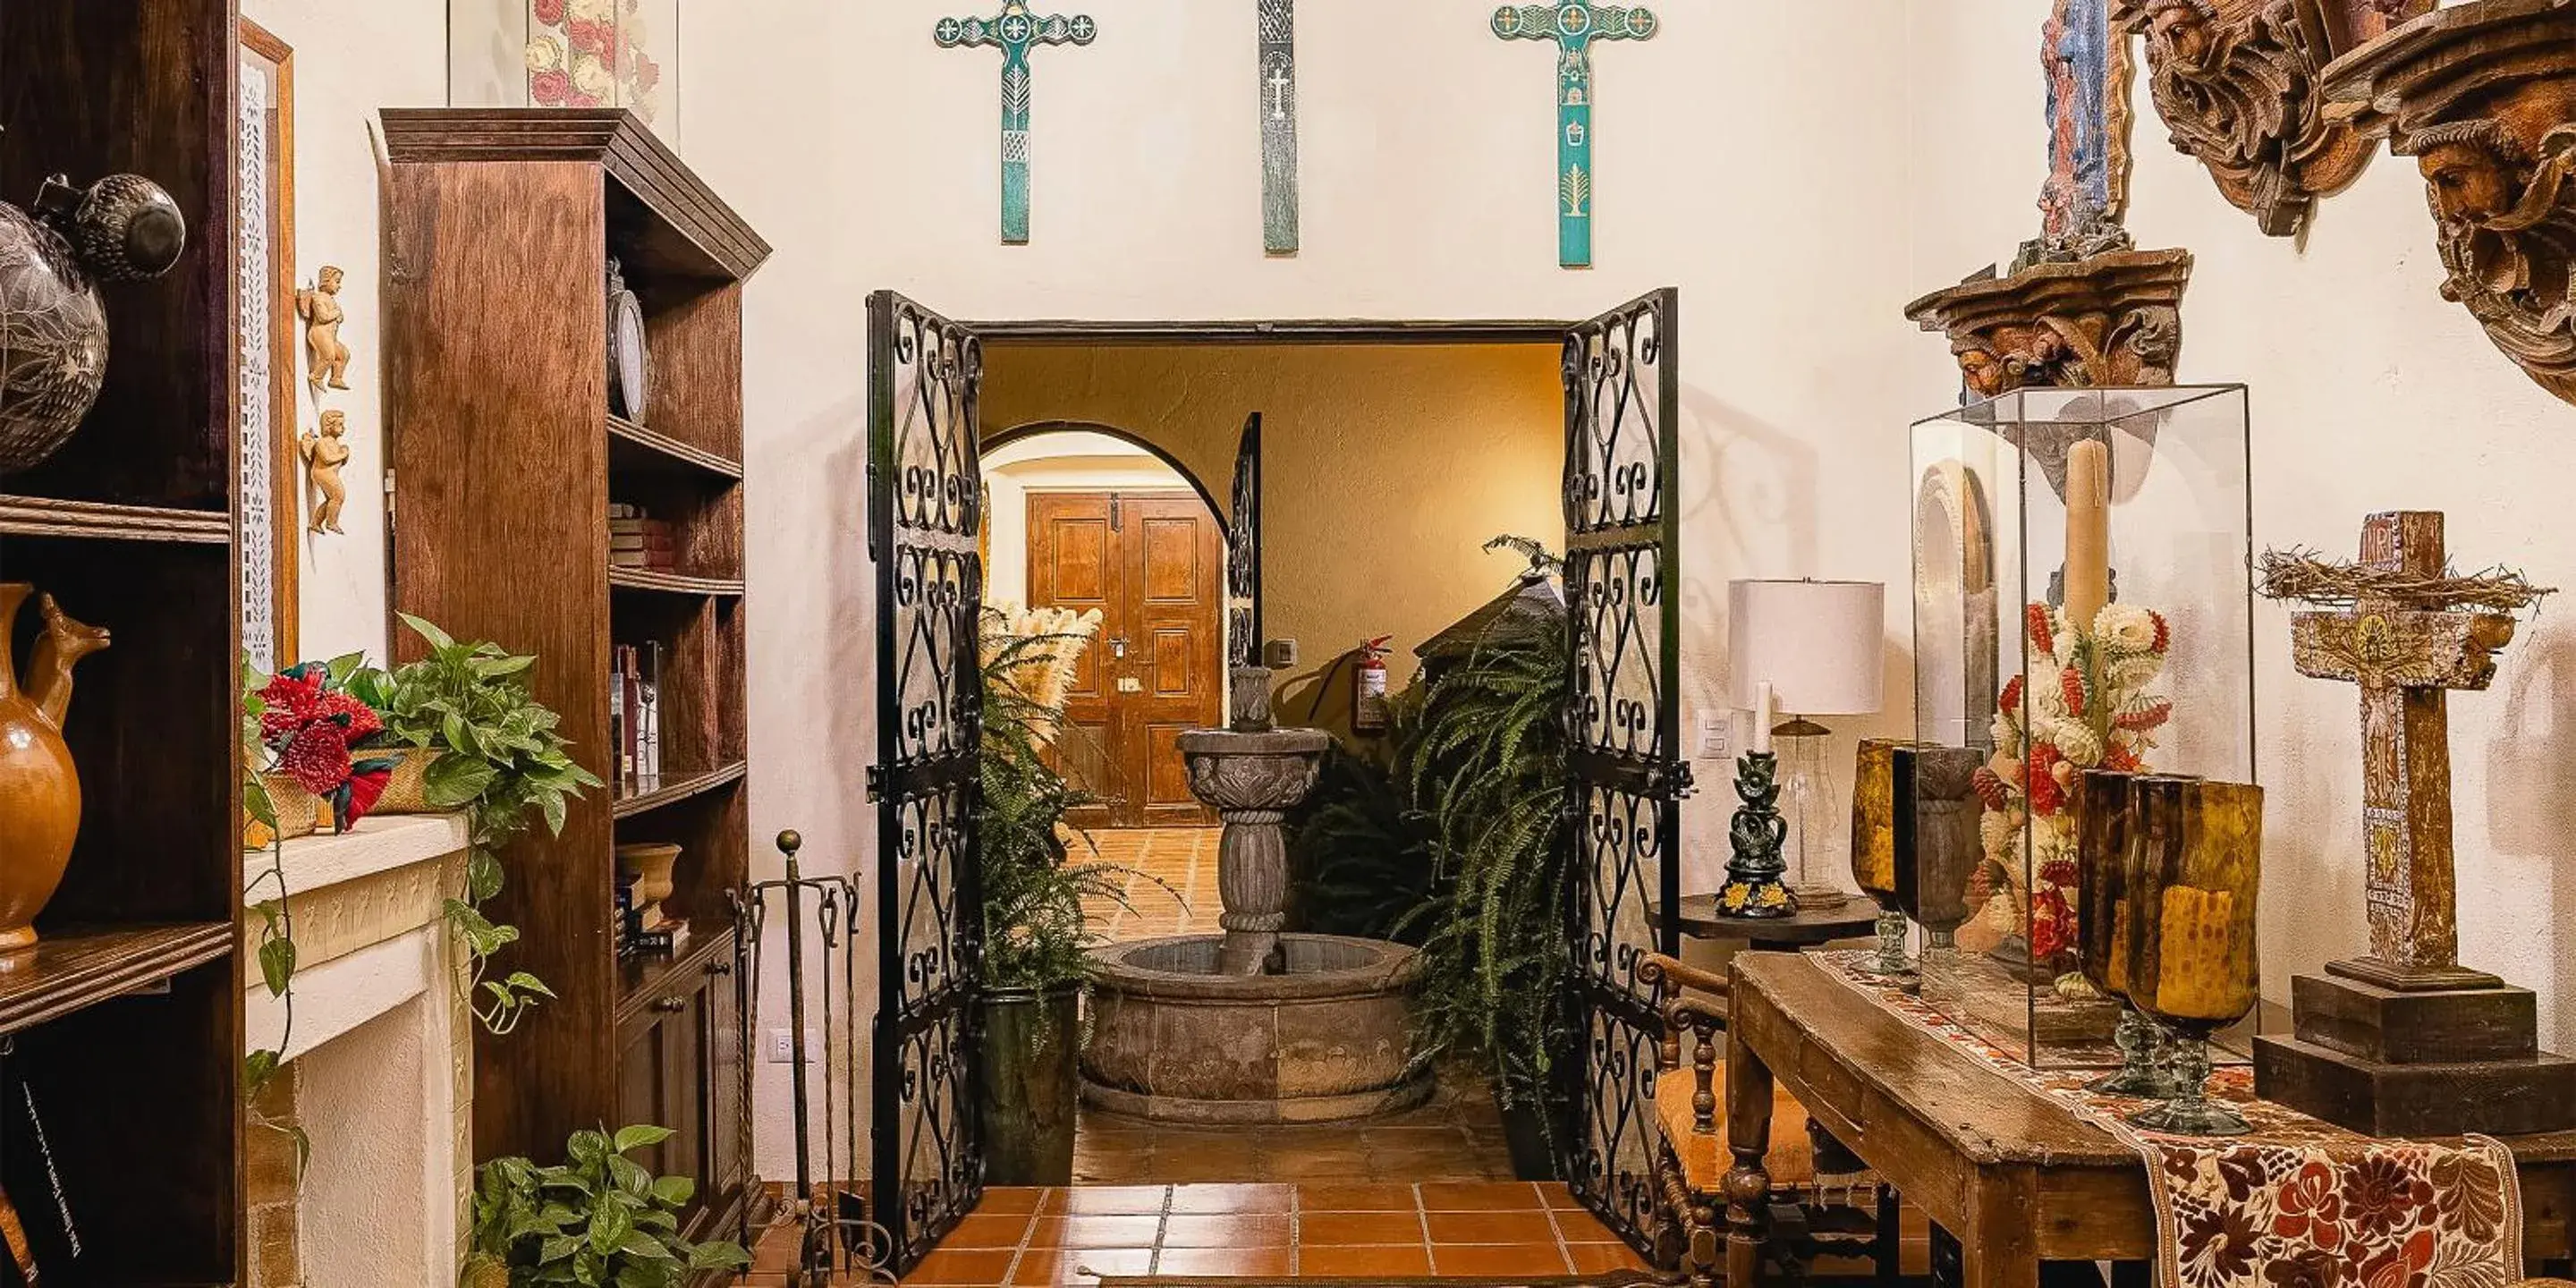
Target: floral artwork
2091	706
308	721
2297	1202
592	53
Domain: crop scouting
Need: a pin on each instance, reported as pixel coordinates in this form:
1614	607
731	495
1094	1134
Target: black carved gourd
53	326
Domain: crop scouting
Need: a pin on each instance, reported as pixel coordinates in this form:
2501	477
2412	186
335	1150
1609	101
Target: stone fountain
1254	1025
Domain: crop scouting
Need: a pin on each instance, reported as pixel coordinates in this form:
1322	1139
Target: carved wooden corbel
2096	315
2236	84
2483	96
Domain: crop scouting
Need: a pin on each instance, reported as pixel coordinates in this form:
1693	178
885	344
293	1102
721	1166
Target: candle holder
2190	933
1754	890
1873	848
2106	855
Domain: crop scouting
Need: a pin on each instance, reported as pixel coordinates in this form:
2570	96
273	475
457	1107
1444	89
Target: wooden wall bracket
2483	96
2081	312
2236	84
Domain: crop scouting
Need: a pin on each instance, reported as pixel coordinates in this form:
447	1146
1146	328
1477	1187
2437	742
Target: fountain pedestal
1252	779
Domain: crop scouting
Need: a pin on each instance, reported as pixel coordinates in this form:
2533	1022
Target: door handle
670	1005
1118	647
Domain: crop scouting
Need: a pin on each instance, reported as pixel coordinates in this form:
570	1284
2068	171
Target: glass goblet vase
2191	952
1873	848
2106	851
1937	850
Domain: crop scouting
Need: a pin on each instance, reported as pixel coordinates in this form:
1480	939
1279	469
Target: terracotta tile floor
1456	1136
1183	858
1073	1236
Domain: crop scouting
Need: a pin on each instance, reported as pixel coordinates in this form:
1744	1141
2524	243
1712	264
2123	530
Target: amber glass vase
2106	856
1873	847
2190	932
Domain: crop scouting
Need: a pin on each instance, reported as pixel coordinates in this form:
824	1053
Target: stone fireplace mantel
379	1061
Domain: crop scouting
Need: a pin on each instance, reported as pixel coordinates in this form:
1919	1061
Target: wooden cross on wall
1015	31
1278	19
2406	652
1574	26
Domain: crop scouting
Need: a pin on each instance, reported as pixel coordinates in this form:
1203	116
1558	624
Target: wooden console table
2018	1177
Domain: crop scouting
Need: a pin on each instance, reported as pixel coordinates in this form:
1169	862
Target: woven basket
407	792
299	813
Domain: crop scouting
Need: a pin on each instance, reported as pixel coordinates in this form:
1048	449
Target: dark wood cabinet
500	227
121	1030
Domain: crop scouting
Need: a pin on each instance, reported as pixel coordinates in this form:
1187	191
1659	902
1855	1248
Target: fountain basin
1324	1040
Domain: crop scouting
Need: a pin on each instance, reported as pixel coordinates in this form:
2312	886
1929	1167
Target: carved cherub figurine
324	453
319	306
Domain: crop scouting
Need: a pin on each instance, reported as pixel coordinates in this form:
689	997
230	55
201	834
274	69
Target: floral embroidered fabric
2298	1203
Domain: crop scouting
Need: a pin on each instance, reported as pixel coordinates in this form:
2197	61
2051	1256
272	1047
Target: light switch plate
1716	735
782	1046
1280	655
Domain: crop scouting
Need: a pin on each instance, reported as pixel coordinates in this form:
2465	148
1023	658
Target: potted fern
1484	765
1037	873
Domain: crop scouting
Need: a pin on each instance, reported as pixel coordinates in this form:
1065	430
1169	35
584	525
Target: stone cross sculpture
1279	126
1574	26
2404	1041
2406	652
1015	32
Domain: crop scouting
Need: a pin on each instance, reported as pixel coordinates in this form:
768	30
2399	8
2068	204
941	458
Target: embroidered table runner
2298	1203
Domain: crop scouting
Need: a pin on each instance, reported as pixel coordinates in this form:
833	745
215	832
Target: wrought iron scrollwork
1623	719
1243	552
926	518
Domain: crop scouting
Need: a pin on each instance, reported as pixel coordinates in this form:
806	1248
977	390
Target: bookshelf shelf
677	789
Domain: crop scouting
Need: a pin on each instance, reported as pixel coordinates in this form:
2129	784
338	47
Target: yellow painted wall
1386	467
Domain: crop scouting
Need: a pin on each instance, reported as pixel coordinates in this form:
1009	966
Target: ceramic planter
1030	1084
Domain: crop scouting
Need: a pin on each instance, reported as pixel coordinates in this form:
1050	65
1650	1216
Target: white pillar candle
1762	703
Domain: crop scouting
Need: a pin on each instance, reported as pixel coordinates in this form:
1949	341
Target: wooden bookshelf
124	1023
505	459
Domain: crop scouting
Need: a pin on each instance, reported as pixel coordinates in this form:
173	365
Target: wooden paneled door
1153	563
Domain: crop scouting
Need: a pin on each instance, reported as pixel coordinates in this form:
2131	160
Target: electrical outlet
1716	735
782	1045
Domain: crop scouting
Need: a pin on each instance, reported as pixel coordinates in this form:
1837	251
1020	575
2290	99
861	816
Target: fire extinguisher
1368	691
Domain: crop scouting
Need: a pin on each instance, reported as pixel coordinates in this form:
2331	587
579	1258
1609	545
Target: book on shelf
656	560
635	717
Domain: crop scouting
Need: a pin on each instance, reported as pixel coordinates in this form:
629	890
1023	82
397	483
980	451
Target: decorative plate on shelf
630	365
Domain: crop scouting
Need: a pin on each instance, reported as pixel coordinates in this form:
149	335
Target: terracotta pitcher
40	800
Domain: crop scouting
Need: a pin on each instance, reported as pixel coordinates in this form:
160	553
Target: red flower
2010	703
2151	716
2071	683
355	716
647	74
291	701
2120	758
1991	788
2306	1207
2051	926
2040	779
2035	620
550	89
595	37
2059	873
318	757
549	12
2164	633
2400	1267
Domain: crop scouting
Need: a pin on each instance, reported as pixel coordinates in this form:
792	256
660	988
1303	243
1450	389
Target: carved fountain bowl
1269	770
1325	1040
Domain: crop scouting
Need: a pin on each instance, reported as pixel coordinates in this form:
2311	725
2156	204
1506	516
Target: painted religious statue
324	353
325	452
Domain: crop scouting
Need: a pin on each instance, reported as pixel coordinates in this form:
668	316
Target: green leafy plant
502	762
1034	883
600	1220
1485	769
1360	857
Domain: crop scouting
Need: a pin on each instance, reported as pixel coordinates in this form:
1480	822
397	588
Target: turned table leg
1748	1138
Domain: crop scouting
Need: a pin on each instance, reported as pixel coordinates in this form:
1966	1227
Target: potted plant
500	759
1484	764
1035	931
600	1220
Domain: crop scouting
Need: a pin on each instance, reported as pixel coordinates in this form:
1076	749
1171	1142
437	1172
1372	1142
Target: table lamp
1800	649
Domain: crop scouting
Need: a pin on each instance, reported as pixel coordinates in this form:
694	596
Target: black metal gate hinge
876	784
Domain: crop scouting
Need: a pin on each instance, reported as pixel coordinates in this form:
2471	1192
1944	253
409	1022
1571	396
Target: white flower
545	54
2007	736
2075	740
1996	830
2125	630
591	76
2129	676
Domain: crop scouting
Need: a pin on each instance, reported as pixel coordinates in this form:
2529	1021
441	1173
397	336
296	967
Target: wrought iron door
1243	554
925	516
1622	404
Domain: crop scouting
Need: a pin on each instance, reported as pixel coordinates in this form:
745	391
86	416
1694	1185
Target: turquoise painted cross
1015	32
1574	25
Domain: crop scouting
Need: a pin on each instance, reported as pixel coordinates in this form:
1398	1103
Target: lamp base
1756	899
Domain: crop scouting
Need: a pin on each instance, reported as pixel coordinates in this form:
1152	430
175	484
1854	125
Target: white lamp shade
1816	643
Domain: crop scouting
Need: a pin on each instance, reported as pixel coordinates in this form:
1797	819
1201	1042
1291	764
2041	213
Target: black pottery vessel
53	326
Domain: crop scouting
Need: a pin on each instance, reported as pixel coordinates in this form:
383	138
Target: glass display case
2083	599
567	53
